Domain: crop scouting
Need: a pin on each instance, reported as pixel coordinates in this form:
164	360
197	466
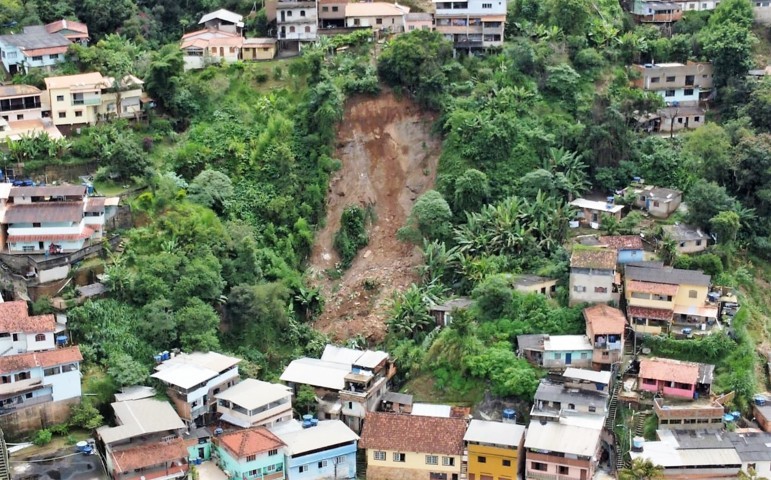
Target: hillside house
36	49
146	443
75	32
555	352
381	16
332	14
674	378
418	21
194	379
605	327
535	284
21	113
296	21
591	212
254	403
325	450
472	24
593	275
688	239
254	49
412	446
656	12
210	46
223	20
674	119
675	414
493	450
251	453
442	313
22	333
659	299
658	202
629	247
395	402
558	450
348	383
580	393
680	85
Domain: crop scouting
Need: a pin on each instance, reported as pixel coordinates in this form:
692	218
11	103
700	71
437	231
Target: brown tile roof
654	313
604	319
622	242
604	258
95	204
60	25
53	237
39	52
131	459
49	191
650	287
44	212
50	358
250	441
409	433
93	79
669	370
14	318
16	90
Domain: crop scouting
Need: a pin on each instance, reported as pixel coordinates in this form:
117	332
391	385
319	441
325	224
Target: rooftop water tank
760	400
509	415
61	340
637	444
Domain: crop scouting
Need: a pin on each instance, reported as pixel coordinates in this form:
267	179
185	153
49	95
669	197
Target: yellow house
258	49
75	99
492	450
412	447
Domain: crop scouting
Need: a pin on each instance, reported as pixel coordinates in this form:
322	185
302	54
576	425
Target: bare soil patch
389	158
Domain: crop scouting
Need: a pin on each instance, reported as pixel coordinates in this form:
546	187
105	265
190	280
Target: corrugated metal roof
250	393
497	433
559	438
317	373
302	440
139	417
44	212
588	375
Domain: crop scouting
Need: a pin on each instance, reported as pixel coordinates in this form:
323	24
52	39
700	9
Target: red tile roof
95	204
603	319
669	370
60	25
622	242
584	257
14	318
250	441
39	52
44	212
654	313
650	287
86	233
411	433
149	455
50	358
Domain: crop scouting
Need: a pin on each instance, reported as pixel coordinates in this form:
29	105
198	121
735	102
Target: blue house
325	450
254	453
32	49
629	247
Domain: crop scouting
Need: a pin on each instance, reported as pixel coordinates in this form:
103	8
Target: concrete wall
690	246
335	463
56	273
493	465
589	283
413	468
36	417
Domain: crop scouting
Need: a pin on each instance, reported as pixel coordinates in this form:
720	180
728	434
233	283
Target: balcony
284	5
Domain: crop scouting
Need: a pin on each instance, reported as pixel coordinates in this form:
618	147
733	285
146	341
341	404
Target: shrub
352	234
60	429
278	72
42	437
147	144
85	415
261	77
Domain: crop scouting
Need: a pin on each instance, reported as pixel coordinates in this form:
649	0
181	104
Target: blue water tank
760	400
728	418
61	340
314	422
307	421
509	413
89	187
197	461
695	395
165	355
158	358
737	415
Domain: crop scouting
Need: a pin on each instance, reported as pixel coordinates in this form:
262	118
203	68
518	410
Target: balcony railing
87	101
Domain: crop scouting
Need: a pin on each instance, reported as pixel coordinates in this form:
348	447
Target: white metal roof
556	437
187	370
223	14
317	373
301	440
596	205
137	392
343	355
431	410
139	417
566	343
497	433
370	359
665	454
588	375
250	393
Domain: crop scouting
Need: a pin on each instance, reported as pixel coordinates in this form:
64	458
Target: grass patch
423	389
112	189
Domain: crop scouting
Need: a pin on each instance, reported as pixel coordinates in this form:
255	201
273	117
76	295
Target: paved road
73	467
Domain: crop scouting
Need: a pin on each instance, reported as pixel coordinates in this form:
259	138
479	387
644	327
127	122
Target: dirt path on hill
389	158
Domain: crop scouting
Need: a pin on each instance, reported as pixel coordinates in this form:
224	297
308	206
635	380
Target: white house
471	24
253	403
38	377
194	380
36	49
21	333
376	15
297	22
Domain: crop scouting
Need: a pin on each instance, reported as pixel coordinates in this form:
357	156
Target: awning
708	311
494	18
226	417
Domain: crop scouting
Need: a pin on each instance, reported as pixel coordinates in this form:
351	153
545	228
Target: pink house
674	378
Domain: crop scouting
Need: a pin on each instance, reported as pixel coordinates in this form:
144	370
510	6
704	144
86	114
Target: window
334	9
584	355
378	455
412	27
571	406
40	337
379	21
29	395
541	467
289	13
291	29
302	13
324	9
272	452
322	464
38	58
78	113
339	460
698	243
697	119
356	21
487	5
307	29
399	457
482	459
563	470
579	289
448	461
592	409
251	458
691	293
671	79
688	91
680	120
600	289
270	468
669	93
19	117
557	356
53	57
51	371
506	463
605	354
655	79
655	204
62	114
432	460
303	468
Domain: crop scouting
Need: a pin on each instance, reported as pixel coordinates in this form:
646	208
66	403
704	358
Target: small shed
535	284
258	49
396	402
688	239
442	313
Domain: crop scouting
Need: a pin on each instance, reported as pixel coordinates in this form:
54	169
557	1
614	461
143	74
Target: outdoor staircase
639	423
610	419
5	473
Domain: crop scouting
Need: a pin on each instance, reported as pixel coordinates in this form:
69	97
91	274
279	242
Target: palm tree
750	474
641	470
409	311
311	301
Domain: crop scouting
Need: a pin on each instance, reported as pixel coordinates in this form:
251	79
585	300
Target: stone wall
36	417
377	472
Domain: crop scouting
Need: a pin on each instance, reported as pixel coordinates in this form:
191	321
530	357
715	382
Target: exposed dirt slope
389	158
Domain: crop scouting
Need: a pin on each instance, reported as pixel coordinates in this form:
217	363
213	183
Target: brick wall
36	417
